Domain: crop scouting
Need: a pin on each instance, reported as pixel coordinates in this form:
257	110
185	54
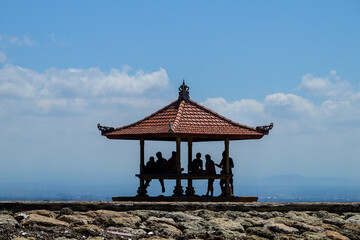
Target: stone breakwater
108	220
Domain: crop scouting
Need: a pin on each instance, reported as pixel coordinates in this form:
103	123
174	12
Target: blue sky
67	65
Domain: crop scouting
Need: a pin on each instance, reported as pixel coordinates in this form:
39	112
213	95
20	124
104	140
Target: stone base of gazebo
185	199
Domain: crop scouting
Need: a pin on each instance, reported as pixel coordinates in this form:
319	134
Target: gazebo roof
185	118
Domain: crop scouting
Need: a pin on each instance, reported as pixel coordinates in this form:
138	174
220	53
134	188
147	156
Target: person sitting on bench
150	168
197	165
161	168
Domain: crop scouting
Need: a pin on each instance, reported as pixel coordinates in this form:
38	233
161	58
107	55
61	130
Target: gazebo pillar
228	191
178	190
142	192
189	189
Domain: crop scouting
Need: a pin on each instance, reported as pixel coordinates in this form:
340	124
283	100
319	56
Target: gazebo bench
182	176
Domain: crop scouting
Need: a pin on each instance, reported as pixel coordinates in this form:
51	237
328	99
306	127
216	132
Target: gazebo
184	120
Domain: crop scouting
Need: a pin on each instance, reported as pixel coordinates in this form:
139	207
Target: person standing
210	169
222	165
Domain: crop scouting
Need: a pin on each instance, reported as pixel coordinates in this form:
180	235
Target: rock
353	219
313	236
280	228
90	229
227	228
21	216
206	214
143	214
157	238
8	221
351	231
131	222
178	216
282	220
302	217
306	227
96	238
265	215
235	214
260	231
333	219
42	221
254	237
328	226
77	220
66	211
335	236
103	217
42	212
133	232
168	221
165	229
227	224
196	229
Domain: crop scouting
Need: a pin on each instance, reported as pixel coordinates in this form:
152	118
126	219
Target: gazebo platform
185	199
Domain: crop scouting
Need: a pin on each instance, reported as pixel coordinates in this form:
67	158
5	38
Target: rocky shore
202	222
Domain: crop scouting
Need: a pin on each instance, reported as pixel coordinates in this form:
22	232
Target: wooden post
228	191
142	189
189	189
178	188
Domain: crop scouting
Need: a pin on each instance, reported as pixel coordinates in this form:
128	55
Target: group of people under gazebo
163	166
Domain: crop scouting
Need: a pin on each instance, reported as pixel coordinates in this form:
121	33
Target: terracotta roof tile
185	118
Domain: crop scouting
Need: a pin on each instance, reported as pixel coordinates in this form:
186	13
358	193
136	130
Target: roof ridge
178	116
155	113
222	117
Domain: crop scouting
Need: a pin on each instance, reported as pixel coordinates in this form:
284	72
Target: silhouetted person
161	168
210	169
150	168
222	165
197	164
171	164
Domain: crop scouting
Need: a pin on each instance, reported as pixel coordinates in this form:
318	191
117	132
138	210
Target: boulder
103	217
42	221
206	214
226	224
134	232
255	237
351	231
265	215
333	219
302	217
260	231
90	230
66	211
178	216
8	221
196	229
77	220
306	227
335	235
313	236
280	228
131	222
42	212
168	221
354	219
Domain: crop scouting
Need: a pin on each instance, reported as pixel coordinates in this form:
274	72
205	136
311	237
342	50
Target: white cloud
330	86
280	103
296	113
70	89
24	40
2	56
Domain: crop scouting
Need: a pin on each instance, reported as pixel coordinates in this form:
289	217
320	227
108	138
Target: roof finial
184	91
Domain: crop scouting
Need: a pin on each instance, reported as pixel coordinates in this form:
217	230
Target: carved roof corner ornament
265	129
104	129
184	92
171	127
